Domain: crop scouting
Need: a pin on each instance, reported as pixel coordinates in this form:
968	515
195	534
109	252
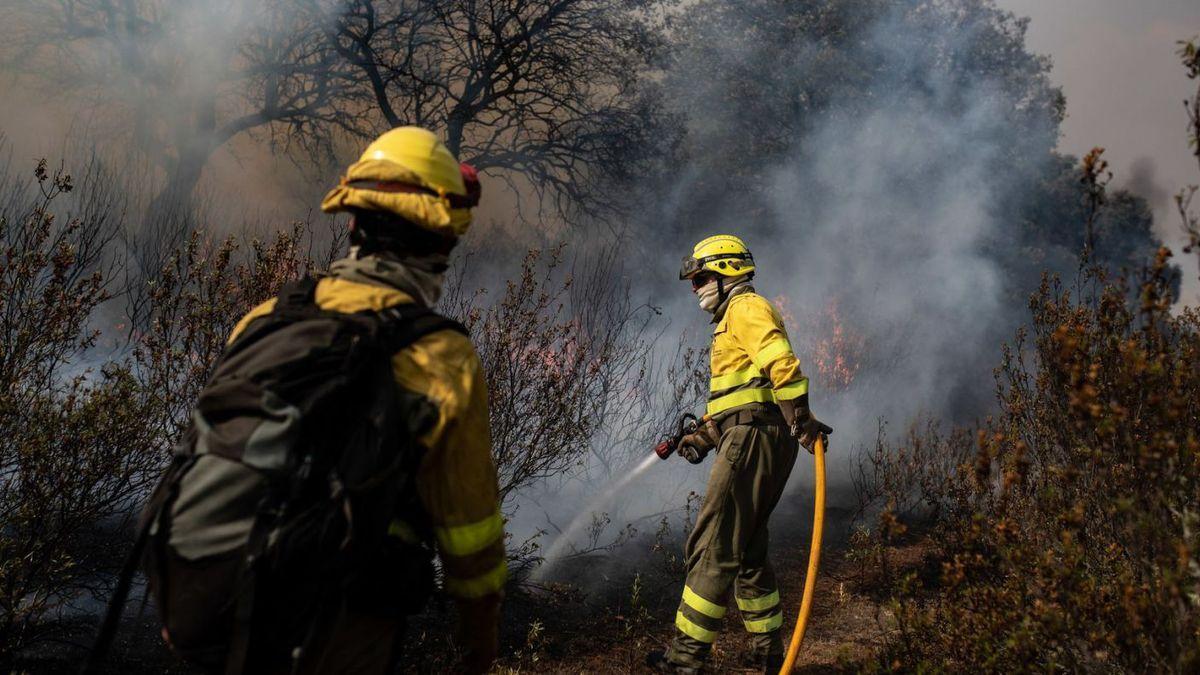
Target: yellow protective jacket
457	478
752	360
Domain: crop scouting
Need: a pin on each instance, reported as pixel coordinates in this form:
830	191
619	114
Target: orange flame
834	350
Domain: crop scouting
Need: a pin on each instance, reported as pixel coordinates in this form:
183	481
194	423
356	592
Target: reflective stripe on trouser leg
761	614
702	605
771	623
697	623
760	604
697	626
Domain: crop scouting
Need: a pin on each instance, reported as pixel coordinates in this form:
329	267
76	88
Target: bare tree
546	94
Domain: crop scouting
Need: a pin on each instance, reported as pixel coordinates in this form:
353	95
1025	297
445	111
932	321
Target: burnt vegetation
1057	534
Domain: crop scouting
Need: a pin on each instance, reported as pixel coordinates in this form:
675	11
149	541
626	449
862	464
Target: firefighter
757	412
410	201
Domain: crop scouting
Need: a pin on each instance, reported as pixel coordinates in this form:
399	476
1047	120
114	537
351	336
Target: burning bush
561	352
835	350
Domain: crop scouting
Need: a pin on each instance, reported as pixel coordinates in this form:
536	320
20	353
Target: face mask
420	277
709	295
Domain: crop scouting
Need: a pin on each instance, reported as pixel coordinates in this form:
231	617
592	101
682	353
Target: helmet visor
690	267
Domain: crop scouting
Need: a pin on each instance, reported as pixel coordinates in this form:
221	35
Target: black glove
802	425
694	447
807	431
692	454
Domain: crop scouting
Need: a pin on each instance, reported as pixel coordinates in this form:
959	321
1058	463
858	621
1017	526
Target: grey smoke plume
890	198
1144	181
872	154
880	154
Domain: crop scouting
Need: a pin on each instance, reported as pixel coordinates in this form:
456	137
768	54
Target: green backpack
280	509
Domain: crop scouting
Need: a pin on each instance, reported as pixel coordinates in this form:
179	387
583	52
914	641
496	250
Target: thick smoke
885	197
889	213
1144	181
888	204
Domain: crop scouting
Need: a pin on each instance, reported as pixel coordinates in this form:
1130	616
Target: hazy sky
1116	62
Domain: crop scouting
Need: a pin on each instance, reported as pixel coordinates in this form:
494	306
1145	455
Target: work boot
755	659
658	662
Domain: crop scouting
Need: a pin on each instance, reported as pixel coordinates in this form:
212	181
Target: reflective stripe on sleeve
482	585
766	625
705	607
792	390
758	604
737	398
467	539
728	380
771	352
694	630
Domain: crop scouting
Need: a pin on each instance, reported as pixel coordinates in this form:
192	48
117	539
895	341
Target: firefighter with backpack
342	439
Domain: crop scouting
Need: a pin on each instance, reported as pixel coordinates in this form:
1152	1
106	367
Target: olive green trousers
728	547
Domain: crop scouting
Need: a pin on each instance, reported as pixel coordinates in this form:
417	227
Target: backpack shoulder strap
296	294
296	299
405	324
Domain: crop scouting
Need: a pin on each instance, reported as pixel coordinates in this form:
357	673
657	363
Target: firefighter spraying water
757	416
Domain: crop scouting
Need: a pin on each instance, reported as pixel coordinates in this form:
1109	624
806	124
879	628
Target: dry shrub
201	291
1189	54
1071	539
915	479
560	351
73	453
1072	545
568	358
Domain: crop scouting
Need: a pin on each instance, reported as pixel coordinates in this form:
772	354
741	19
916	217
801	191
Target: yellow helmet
723	254
409	172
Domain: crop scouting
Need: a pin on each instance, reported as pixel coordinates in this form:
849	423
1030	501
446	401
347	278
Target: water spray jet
582	518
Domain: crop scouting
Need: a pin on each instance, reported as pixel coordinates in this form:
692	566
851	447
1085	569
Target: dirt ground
603	613
613	634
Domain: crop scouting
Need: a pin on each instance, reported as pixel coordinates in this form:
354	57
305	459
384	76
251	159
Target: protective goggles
693	266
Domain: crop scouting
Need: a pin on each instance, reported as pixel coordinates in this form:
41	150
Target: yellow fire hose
814	560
